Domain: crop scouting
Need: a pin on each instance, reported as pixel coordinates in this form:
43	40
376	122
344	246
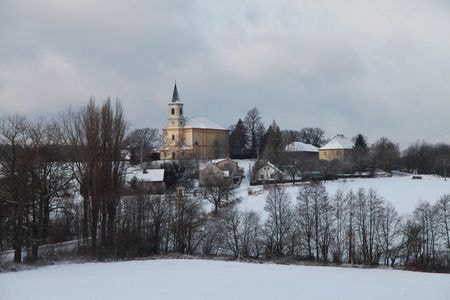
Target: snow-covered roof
205	165
338	142
216	161
152	175
125	154
201	122
219	160
271	165
301	147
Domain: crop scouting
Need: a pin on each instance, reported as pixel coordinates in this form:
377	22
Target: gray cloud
358	66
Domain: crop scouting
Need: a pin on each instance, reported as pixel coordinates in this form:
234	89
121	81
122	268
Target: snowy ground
403	192
199	279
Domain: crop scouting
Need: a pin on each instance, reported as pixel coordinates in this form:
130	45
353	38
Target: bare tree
251	235
253	127
443	219
304	217
340	214
385	154
351	211
14	159
96	137
279	219
290	136
232	227
142	142
425	218
389	235
218	189
313	136
184	222
51	180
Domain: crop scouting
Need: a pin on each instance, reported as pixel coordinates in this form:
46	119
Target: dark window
173	155
173	137
181	111
173	111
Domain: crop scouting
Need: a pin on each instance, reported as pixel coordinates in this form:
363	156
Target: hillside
403	192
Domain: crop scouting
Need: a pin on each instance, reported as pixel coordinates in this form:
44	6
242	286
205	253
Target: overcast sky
381	68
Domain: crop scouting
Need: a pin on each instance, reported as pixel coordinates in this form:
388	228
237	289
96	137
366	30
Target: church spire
175	96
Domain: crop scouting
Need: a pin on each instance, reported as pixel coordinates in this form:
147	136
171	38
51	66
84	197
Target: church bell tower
175	110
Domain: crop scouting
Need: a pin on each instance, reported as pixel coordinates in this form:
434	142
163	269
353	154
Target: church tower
175	110
174	137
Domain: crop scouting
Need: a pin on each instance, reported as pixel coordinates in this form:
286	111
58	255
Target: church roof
175	96
301	147
201	122
338	142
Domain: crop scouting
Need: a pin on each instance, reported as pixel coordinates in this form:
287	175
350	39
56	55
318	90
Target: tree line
356	227
249	138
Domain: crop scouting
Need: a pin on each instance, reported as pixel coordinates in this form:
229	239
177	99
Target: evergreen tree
238	140
273	143
360	142
360	152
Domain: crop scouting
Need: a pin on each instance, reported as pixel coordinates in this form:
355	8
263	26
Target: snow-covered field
403	192
200	279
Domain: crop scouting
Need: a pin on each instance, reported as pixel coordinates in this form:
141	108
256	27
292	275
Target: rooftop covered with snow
202	123
301	147
151	175
339	142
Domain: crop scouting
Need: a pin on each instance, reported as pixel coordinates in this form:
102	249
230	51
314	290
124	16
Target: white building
269	172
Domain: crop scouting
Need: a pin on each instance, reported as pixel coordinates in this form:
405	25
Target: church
191	137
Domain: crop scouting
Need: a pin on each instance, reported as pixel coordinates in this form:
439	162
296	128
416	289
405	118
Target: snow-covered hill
200	279
402	191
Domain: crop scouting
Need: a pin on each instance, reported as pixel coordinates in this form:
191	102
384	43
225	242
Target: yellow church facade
192	137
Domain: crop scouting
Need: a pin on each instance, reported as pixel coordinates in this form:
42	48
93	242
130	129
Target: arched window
173	137
181	111
173	111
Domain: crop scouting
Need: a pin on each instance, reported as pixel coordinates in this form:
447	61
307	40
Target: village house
227	166
301	151
150	181
339	148
268	172
211	171
191	137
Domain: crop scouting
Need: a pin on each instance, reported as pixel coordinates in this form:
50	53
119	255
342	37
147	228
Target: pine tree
238	140
273	143
360	141
360	152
